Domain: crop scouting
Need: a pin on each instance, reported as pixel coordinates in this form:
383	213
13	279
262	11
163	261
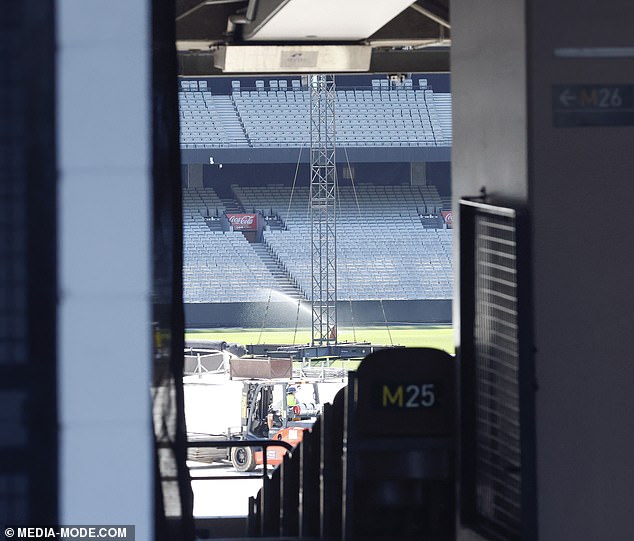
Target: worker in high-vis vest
276	414
290	396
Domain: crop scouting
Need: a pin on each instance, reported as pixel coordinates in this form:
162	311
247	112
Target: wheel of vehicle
243	459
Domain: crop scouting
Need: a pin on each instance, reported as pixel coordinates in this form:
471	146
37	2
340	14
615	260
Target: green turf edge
440	337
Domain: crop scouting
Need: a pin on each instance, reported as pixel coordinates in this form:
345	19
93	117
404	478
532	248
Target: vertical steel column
323	190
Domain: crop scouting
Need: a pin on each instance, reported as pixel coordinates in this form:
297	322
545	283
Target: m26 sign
593	105
243	222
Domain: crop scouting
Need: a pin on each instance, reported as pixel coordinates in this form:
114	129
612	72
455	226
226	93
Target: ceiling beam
432	16
204	3
427	60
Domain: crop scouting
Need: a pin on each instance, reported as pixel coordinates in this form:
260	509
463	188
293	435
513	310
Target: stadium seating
201	202
380	239
384	231
376	116
207	120
218	266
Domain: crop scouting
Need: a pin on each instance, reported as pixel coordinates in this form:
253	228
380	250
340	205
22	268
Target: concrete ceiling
414	38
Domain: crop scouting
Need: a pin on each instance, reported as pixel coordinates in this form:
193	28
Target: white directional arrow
567	98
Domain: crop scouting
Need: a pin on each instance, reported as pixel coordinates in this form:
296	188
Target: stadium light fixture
296	58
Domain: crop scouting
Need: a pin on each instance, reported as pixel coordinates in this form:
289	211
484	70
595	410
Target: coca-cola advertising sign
448	217
243	222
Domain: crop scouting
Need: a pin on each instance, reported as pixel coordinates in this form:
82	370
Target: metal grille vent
498	454
497	373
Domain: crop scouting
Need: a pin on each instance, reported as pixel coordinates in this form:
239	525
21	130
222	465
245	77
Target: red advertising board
243	222
447	215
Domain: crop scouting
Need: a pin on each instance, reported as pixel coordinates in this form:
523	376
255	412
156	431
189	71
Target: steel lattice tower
323	190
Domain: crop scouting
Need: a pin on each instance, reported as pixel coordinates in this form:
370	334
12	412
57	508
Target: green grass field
440	337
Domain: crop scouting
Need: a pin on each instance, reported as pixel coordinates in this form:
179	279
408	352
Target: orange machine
263	417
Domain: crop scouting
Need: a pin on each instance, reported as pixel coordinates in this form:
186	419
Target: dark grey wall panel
256	314
581	193
28	275
289	155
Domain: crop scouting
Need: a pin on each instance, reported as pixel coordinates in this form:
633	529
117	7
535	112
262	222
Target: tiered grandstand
380	239
218	266
208	118
392	242
385	252
277	115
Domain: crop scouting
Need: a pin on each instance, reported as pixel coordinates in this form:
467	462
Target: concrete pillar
523	79
418	173
194	175
105	242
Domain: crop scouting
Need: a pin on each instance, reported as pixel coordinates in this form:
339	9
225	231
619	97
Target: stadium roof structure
292	36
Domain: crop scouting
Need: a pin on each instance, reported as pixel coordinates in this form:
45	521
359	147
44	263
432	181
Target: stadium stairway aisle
232	205
284	284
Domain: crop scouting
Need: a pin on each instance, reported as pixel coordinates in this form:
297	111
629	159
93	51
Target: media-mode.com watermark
75	533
